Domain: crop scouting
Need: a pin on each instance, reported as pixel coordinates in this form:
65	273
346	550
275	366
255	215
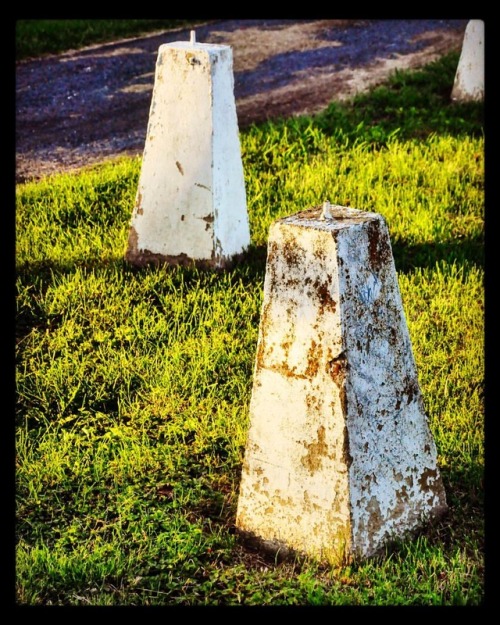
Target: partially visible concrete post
191	201
469	78
339	458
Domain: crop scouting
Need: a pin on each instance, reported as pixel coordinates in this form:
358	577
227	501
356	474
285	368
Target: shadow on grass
249	268
426	255
460	528
252	264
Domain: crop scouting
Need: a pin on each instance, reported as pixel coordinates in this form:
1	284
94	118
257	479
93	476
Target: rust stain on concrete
315	452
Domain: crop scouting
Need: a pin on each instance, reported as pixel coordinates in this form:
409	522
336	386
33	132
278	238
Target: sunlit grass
133	385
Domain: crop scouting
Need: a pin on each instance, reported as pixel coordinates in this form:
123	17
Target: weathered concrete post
469	78
339	458
191	201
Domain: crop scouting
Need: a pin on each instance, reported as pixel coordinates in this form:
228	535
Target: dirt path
85	106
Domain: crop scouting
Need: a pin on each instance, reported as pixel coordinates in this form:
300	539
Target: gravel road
86	106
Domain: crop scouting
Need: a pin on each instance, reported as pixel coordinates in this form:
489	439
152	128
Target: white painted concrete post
469	78
339	458
191	201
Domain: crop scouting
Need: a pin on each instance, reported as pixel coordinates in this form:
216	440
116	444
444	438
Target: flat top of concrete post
330	217
192	43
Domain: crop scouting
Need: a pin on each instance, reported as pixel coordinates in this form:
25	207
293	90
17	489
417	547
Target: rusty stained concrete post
191	203
469	78
339	458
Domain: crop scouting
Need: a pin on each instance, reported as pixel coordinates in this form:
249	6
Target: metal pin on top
326	213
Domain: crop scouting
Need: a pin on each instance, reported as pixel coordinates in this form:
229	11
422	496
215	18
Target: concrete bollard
191	203
339	458
469	78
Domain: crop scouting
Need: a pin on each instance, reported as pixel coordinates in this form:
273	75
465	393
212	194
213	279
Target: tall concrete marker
469	78
191	203
339	459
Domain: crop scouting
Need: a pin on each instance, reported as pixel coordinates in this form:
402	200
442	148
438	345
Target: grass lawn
133	385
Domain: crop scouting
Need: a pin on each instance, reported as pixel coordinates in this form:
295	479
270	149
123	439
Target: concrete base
339	458
191	203
469	79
